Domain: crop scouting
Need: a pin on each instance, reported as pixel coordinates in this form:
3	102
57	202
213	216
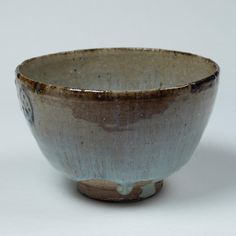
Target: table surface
200	199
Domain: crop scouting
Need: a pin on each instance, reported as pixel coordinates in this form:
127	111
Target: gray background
200	199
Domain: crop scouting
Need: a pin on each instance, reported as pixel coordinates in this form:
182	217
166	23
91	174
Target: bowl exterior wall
122	140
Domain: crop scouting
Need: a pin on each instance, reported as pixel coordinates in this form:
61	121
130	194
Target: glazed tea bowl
119	120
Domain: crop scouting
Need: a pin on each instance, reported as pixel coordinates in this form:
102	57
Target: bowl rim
53	89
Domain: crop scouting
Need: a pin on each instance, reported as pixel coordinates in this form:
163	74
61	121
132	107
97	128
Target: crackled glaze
123	115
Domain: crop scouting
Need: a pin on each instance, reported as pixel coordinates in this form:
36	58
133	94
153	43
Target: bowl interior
118	69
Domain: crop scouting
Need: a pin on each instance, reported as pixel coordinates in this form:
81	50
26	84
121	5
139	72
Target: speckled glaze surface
117	120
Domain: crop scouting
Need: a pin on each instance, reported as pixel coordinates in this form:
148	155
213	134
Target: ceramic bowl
119	120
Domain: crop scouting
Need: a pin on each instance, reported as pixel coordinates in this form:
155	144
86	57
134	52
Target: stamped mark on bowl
26	106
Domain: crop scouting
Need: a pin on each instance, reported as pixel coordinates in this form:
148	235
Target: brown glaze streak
208	82
117	116
35	87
